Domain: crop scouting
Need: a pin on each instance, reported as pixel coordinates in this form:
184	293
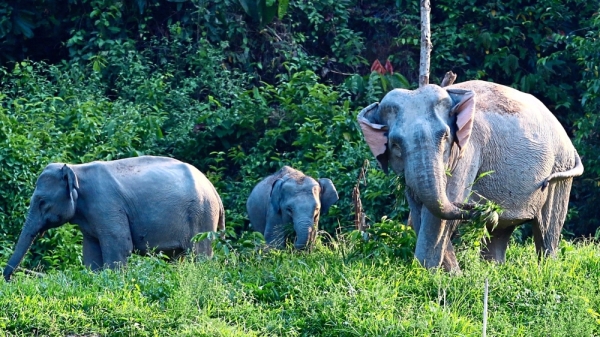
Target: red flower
388	67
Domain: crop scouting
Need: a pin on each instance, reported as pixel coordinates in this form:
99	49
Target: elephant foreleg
92	255
433	239
449	262
116	248
274	236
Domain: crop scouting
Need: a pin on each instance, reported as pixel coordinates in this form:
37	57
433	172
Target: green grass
282	293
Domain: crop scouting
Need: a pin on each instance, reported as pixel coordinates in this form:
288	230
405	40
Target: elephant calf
123	206
289	196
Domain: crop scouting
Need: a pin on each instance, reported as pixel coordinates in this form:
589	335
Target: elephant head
52	205
300	200
414	132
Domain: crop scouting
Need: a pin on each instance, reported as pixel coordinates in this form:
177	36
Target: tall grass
284	293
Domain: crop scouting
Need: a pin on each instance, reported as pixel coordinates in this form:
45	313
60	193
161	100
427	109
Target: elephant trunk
428	183
305	233
26	238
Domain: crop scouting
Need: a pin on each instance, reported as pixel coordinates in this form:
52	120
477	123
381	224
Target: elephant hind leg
204	248
495	249
548	223
207	221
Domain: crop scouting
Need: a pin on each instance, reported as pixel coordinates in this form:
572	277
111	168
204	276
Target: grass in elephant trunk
475	231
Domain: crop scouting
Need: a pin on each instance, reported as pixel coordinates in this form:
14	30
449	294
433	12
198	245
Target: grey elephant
442	139
123	206
289	196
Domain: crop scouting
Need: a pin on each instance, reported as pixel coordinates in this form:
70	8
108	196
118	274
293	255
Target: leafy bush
382	241
587	138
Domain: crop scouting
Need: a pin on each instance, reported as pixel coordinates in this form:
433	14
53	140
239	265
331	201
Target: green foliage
279	293
327	24
519	43
587	138
227	242
297	122
135	299
476	230
264	11
382	241
372	87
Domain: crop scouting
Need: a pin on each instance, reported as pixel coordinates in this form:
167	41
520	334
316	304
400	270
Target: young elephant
442	139
289	196
123	206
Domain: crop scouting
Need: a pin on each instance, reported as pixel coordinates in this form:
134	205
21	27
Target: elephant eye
396	149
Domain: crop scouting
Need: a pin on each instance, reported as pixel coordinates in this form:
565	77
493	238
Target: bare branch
31	272
359	215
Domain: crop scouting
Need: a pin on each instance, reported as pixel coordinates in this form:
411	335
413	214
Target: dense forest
241	88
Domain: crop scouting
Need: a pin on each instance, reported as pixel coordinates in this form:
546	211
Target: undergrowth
324	293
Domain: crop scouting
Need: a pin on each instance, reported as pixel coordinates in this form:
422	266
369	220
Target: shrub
382	241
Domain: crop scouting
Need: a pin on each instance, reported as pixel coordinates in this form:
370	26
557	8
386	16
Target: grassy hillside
324	293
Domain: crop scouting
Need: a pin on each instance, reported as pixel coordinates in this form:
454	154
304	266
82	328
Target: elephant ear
72	183
376	135
329	195
464	109
275	196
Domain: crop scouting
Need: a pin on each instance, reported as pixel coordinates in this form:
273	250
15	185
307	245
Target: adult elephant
289	196
123	206
442	139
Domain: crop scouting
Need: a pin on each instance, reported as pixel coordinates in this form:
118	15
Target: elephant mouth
309	241
302	240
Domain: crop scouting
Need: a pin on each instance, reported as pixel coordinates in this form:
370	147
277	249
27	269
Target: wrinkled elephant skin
442	139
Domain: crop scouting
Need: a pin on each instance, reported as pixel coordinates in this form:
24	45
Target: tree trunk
425	43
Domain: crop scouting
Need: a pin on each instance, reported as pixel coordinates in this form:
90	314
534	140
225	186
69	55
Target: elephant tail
574	172
221	221
221	224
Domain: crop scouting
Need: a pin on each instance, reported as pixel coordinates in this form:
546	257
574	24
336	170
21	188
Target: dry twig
449	78
359	215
